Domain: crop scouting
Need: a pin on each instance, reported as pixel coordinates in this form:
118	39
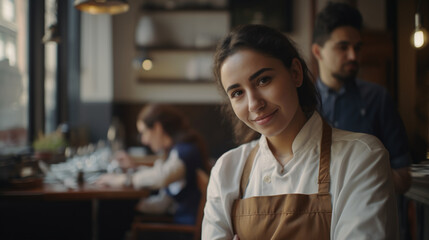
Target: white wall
96	58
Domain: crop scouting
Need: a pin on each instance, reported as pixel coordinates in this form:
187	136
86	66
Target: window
51	62
8	10
13	75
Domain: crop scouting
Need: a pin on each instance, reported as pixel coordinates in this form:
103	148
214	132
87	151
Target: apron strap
324	163
325	157
247	169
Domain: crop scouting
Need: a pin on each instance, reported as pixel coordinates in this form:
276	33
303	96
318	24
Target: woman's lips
265	118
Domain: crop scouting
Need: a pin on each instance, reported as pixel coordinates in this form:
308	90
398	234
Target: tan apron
287	216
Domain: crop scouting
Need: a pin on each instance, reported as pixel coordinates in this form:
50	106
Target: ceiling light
102	6
419	37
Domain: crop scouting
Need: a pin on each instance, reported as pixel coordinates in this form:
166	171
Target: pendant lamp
419	37
102	6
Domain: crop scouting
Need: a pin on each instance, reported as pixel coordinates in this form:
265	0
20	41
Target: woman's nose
256	102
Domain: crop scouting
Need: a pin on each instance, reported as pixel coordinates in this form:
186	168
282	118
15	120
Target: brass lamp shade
102	6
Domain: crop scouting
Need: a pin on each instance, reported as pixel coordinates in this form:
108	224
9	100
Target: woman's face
152	137
262	91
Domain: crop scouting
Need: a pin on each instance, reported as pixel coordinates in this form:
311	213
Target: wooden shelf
172	48
173	81
178	51
183	10
195	8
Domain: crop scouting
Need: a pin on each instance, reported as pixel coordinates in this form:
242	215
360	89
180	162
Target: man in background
350	103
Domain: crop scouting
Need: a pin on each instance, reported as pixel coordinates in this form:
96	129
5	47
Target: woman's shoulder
357	149
354	155
354	139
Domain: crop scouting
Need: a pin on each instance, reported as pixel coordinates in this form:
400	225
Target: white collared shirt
169	173
362	193
164	173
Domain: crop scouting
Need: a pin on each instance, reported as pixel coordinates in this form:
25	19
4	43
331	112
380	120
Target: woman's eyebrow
251	78
232	87
259	72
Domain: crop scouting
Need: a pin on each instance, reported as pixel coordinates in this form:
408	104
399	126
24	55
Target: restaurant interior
74	76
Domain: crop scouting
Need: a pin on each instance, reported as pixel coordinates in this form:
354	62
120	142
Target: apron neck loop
325	157
324	162
247	168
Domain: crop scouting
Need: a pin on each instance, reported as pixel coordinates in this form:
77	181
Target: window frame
68	82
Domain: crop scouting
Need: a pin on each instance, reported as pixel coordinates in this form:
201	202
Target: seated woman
168	133
294	177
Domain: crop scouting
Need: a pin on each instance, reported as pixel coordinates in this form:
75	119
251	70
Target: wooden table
59	192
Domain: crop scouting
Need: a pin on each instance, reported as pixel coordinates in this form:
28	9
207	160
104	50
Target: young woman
294	177
166	130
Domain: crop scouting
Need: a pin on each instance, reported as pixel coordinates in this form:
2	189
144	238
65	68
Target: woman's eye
236	93
263	80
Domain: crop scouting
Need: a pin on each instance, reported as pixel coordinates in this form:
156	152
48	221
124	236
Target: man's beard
345	76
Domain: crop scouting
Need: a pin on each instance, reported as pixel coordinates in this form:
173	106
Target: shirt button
267	179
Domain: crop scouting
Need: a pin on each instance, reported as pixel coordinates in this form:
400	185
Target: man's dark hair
335	15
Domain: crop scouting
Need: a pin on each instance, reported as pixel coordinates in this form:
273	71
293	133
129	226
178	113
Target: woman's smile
264	119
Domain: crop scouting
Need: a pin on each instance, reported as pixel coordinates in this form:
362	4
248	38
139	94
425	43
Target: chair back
202	182
149	226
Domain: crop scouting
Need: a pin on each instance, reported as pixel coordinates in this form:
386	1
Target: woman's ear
140	126
296	72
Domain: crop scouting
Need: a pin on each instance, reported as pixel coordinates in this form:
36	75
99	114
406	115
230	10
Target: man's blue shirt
362	106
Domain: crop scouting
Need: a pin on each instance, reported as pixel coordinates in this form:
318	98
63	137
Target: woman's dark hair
176	125
335	15
270	42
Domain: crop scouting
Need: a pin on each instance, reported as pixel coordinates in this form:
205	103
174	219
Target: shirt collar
307	138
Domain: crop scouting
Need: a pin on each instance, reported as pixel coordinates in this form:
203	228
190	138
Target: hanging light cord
418	6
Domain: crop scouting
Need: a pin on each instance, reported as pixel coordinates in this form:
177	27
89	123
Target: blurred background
70	74
60	65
